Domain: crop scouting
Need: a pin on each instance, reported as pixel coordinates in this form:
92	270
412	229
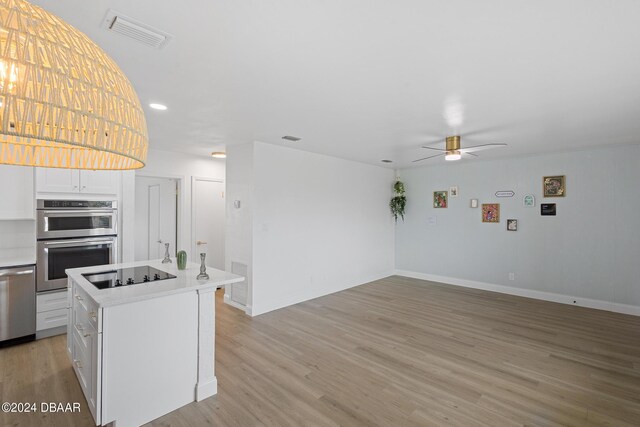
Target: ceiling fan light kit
453	152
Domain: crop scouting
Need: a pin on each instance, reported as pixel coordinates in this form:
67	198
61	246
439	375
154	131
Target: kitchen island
142	350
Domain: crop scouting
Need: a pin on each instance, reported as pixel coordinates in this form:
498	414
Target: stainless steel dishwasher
17	304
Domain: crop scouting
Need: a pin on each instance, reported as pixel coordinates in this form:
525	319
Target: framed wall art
553	186
529	201
512	225
491	212
453	191
439	199
473	203
548	209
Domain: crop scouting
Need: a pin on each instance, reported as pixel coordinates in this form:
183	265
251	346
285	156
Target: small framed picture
548	209
439	199
512	225
491	212
453	191
473	203
529	201
553	186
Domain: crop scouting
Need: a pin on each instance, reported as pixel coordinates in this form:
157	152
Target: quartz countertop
184	282
17	256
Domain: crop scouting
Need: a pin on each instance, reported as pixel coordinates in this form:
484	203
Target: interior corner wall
171	165
239	213
320	225
587	253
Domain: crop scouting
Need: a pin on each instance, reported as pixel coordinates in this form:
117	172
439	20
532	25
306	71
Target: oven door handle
78	213
68	243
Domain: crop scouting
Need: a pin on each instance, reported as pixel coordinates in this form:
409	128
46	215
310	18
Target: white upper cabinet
50	180
17	196
99	182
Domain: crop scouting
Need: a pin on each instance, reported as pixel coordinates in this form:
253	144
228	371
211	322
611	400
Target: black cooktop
126	277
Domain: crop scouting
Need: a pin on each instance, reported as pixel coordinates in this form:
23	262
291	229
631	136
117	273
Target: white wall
239	225
587	253
171	165
320	225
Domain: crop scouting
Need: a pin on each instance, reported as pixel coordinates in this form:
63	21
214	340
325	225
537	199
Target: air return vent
136	30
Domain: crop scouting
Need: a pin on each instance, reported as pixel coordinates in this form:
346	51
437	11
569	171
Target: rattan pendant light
63	102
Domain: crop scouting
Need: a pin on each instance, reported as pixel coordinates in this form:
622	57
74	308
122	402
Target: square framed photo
453	191
512	225
491	212
440	199
553	186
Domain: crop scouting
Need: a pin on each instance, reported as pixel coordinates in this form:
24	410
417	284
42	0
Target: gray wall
591	249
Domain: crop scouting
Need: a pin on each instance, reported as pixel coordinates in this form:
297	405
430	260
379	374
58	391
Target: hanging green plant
399	201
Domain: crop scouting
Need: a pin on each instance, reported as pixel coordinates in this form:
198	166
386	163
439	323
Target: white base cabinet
140	360
51	313
54	180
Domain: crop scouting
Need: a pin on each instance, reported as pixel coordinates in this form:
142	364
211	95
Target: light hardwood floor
393	352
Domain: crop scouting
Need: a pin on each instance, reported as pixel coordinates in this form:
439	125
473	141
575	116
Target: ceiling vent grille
136	30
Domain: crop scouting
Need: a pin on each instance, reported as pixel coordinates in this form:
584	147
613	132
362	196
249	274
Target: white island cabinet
144	350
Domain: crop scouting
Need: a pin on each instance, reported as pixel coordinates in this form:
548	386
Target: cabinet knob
88	334
79	327
93	315
78	364
78	297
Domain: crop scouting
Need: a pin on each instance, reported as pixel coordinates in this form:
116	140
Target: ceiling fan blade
430	157
476	132
481	147
468	154
432	148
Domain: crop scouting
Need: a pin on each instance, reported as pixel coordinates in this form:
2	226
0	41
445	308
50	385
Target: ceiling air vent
129	27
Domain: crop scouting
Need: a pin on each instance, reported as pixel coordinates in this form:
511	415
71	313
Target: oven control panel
76	204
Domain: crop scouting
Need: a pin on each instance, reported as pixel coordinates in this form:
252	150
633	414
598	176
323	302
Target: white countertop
17	256
184	282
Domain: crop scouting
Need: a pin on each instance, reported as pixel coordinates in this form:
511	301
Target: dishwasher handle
16	271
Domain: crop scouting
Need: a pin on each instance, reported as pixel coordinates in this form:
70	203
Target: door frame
193	210
180	201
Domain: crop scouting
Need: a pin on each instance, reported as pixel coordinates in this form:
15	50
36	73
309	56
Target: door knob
159	241
200	242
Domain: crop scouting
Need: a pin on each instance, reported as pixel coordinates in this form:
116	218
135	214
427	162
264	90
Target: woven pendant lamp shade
64	102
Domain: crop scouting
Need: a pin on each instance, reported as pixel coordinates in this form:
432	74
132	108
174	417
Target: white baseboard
291	299
528	293
208	389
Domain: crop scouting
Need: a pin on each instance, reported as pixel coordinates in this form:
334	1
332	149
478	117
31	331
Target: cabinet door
52	180
16	192
99	182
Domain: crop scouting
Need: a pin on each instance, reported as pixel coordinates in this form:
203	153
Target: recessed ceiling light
219	154
291	138
386	161
158	106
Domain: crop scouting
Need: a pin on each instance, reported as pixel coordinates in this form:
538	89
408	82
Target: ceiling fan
452	150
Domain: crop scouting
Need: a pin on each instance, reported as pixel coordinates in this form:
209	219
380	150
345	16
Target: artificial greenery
399	201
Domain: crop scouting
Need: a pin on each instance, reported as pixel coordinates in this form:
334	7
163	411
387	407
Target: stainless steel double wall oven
71	234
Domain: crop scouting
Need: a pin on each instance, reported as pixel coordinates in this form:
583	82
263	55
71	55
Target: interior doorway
208	210
156	217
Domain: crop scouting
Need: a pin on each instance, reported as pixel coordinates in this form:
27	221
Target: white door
208	221
156	214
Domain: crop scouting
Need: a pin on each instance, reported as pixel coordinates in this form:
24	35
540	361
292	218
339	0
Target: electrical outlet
512	276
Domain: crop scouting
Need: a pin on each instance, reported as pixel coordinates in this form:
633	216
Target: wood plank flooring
395	352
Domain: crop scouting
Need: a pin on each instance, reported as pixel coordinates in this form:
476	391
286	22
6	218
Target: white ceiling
368	79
